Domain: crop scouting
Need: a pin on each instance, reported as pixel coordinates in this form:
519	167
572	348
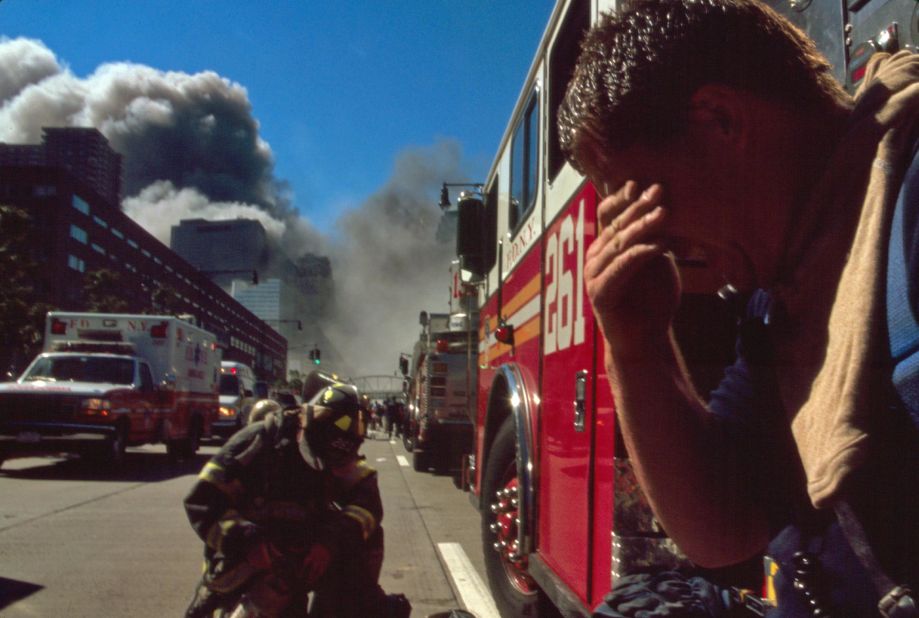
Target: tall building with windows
224	250
291	296
84	152
76	229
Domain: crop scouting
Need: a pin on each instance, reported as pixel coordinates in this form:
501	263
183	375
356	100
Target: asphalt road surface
76	541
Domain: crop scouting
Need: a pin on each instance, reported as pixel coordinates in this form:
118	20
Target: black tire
419	461
515	593
174	449
193	443
112	452
408	440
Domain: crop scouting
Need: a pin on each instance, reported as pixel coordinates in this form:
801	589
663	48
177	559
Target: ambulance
107	381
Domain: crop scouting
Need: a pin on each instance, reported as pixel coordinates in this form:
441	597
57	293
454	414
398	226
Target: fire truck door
567	415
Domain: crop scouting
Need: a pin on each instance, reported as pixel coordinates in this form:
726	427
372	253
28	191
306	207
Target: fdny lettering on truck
524	239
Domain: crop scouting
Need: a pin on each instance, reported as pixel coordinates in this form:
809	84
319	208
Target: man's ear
721	113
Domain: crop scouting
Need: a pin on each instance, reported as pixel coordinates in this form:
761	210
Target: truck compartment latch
580	399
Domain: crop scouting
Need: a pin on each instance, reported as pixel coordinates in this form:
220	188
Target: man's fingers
613	241
607	285
618	209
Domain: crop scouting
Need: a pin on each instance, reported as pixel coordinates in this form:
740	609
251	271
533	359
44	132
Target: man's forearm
672	441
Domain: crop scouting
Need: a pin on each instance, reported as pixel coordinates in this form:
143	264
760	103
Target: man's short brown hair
639	67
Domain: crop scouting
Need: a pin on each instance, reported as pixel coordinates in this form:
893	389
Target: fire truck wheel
420	461
515	592
408	440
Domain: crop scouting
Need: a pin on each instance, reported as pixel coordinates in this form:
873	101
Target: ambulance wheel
191	444
112	453
514	591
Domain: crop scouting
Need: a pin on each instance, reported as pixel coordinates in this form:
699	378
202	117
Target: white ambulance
107	381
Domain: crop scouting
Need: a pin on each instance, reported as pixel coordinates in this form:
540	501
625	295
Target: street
76	541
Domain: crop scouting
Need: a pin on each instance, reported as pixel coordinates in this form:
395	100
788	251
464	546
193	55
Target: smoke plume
390	265
192	149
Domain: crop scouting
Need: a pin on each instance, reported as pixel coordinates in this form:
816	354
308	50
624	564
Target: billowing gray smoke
192	148
391	263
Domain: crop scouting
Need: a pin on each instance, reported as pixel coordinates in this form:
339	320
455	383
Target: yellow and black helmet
333	427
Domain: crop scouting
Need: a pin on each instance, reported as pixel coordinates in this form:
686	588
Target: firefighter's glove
316	563
262	555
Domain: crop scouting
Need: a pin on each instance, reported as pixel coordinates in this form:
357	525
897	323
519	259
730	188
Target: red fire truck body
562	514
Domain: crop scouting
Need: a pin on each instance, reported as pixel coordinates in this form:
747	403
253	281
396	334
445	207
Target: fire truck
108	381
562	514
439	428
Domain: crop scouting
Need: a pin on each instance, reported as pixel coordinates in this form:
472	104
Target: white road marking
393	442
381	459
402	461
472	590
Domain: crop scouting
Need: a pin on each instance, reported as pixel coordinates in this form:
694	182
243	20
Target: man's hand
316	563
632	283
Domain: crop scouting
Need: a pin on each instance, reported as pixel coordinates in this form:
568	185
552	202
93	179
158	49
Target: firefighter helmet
333	427
261	409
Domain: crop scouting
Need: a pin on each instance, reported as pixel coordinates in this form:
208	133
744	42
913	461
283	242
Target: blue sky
339	88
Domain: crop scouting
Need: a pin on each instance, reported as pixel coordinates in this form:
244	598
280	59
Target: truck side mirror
470	235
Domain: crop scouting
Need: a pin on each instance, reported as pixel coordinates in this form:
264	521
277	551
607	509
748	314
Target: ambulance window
146	378
562	58
524	164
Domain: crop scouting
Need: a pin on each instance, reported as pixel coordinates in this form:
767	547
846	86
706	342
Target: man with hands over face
717	124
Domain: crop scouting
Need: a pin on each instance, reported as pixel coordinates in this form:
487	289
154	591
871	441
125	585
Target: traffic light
315	356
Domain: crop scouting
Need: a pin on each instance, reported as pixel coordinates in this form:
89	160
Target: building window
100	221
76	263
132	244
145	252
117	233
79	203
98	249
157	260
46	191
79	234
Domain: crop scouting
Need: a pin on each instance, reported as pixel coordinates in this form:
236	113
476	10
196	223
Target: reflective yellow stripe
362	516
222	527
212	472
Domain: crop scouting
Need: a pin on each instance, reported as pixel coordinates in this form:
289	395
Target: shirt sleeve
213	502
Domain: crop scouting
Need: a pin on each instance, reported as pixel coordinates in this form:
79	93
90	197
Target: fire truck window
562	58
524	164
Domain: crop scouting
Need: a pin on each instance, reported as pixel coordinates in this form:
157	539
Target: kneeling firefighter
288	507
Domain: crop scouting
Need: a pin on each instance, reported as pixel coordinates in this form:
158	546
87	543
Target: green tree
104	292
165	300
22	313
